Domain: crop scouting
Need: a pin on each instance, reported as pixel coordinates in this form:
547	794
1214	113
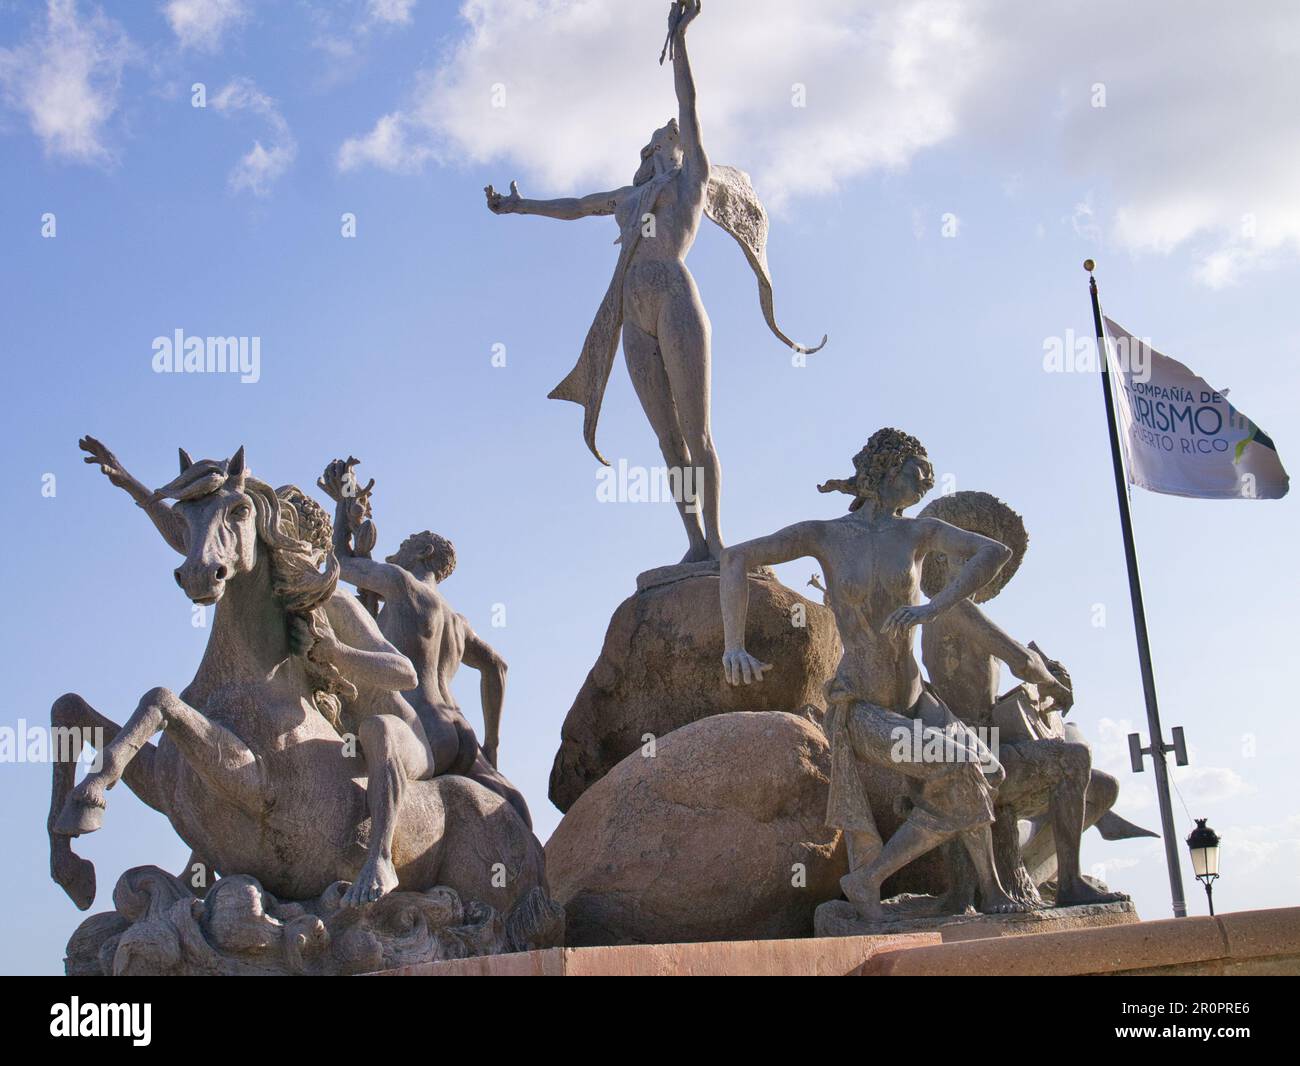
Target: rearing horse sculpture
249	771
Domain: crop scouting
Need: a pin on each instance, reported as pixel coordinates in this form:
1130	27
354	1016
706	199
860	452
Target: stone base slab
720	958
1255	943
837	918
1263	942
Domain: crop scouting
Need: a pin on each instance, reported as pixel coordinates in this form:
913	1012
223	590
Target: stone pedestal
1263	943
915	914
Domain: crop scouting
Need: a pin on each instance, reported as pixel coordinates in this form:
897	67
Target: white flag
1183	437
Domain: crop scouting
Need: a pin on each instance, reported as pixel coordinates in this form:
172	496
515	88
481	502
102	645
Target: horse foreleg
219	757
72	718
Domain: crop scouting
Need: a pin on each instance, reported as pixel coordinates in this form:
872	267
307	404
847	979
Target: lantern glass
1205	861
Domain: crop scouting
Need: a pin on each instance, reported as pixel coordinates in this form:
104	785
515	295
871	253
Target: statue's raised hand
339	482
503	205
741	666
682	14
100	456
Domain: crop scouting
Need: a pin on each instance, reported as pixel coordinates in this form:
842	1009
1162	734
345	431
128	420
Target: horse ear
186	461
236	465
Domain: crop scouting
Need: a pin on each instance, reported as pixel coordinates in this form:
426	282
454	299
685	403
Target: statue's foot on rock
1082	893
865	896
376	879
76	876
1001	903
698	553
84	810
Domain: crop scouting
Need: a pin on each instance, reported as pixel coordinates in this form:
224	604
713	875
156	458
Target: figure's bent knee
66	708
162	698
1078	760
1103	789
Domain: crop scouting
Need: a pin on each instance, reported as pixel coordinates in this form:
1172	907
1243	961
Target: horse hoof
77	819
76	876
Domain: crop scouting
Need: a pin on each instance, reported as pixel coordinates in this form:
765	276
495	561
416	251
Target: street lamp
1204	844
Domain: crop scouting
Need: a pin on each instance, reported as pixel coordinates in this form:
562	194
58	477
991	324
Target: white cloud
1270	849
1210	784
202	24
392	11
66	80
387	146
260	166
1195	139
582	91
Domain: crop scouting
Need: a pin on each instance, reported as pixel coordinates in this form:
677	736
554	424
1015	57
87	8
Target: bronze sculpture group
319	757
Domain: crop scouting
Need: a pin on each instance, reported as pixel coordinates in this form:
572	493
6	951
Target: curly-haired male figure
420	623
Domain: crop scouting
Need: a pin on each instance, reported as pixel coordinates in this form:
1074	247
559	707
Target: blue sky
981	121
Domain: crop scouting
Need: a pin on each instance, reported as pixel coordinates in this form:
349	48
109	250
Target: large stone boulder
661	668
719	835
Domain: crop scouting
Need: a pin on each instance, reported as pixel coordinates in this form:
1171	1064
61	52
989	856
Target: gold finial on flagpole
1089	265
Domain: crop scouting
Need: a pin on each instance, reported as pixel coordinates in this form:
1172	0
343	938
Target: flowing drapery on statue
732	203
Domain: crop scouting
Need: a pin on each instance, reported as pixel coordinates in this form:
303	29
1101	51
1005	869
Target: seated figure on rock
871	559
416	618
1049	772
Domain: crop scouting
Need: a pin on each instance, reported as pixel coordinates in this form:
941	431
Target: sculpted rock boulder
660	668
704	841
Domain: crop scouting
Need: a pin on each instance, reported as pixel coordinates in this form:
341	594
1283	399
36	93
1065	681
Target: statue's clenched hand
310	638
741	666
1061	688
503	205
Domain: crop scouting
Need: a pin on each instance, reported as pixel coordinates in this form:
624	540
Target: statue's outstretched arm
566	209
481	656
167	521
793	542
991	639
386	579
688	120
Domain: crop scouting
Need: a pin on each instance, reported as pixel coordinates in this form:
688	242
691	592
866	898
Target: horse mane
297	582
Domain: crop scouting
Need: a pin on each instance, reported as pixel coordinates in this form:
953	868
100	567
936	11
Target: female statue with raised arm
653	298
872	561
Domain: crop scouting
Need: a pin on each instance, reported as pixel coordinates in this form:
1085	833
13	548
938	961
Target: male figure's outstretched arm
987	637
168	523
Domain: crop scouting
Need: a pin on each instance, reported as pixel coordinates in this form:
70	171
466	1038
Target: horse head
220	524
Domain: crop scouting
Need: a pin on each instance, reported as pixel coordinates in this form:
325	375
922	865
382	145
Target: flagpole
1158	746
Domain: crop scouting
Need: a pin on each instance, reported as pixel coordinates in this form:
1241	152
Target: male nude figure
420	623
1048	765
962	651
